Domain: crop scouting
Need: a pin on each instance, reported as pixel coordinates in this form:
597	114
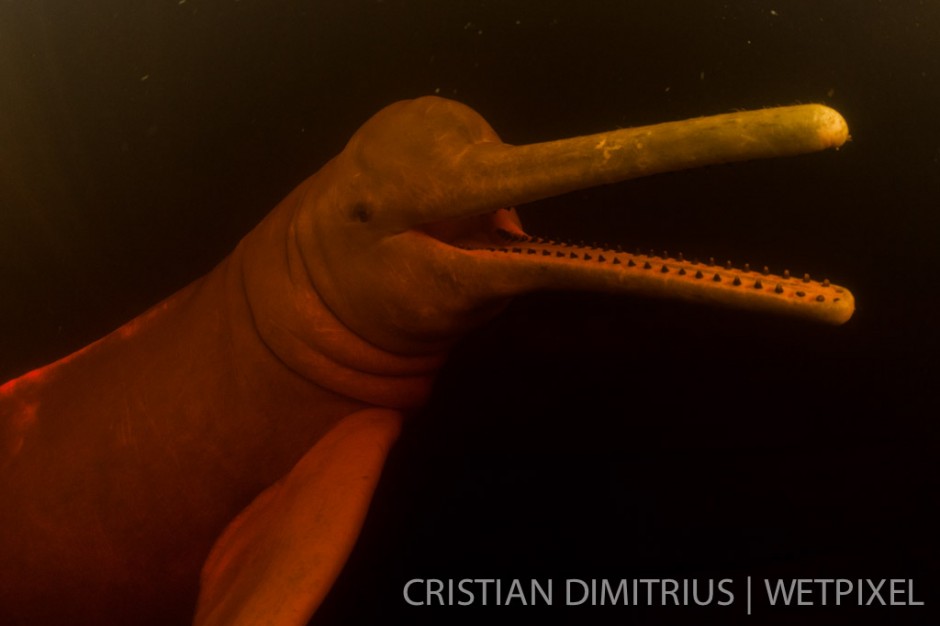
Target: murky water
578	435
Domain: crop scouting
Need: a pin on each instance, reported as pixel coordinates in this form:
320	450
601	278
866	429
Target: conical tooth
805	278
546	253
820	298
736	282
681	271
601	257
616	261
630	263
573	255
711	260
716	277
765	271
758	284
559	254
587	257
698	274
531	251
825	282
747	267
778	288
786	273
728	264
680	257
665	269
647	265
800	294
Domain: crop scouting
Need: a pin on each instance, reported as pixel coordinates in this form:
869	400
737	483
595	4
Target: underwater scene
357	312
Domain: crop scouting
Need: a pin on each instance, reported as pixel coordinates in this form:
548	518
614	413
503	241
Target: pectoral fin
276	561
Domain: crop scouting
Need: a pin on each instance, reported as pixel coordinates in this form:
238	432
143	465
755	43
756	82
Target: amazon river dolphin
212	460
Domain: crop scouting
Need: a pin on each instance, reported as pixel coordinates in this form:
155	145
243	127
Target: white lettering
405	592
568	595
785	593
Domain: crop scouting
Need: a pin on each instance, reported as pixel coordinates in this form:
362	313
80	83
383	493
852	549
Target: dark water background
578	435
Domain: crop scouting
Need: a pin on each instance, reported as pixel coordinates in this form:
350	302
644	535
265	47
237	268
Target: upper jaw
478	178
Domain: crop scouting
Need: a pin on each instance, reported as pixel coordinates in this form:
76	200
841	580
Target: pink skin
122	464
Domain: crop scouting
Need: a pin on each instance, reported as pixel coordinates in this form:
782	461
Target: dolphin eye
362	212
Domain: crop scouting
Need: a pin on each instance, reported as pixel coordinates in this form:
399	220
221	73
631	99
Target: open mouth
485	245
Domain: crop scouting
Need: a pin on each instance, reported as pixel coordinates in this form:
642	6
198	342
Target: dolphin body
216	456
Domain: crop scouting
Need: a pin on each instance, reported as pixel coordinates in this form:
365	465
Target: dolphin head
411	239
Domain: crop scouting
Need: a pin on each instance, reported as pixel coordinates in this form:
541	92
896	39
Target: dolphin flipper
277	560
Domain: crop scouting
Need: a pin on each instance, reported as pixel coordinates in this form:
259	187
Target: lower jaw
525	263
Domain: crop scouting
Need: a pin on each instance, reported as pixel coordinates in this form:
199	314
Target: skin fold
216	456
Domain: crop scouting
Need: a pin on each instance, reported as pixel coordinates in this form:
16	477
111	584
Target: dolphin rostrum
216	456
